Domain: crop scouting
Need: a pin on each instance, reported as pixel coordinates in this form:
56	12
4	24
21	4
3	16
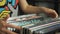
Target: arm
34	9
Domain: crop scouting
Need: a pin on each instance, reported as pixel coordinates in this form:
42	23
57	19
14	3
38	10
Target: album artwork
7	6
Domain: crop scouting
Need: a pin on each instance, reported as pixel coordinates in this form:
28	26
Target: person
28	9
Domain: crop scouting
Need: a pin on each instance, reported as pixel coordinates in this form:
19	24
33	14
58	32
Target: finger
2	32
2	24
53	14
14	26
50	12
56	14
7	31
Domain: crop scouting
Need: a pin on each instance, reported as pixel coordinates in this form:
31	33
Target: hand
4	25
50	12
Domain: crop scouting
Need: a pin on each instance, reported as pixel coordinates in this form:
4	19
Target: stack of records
42	29
33	24
26	20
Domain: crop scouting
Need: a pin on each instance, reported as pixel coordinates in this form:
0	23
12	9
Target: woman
26	9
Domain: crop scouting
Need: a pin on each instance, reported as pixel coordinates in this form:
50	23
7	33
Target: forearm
23	4
46	10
